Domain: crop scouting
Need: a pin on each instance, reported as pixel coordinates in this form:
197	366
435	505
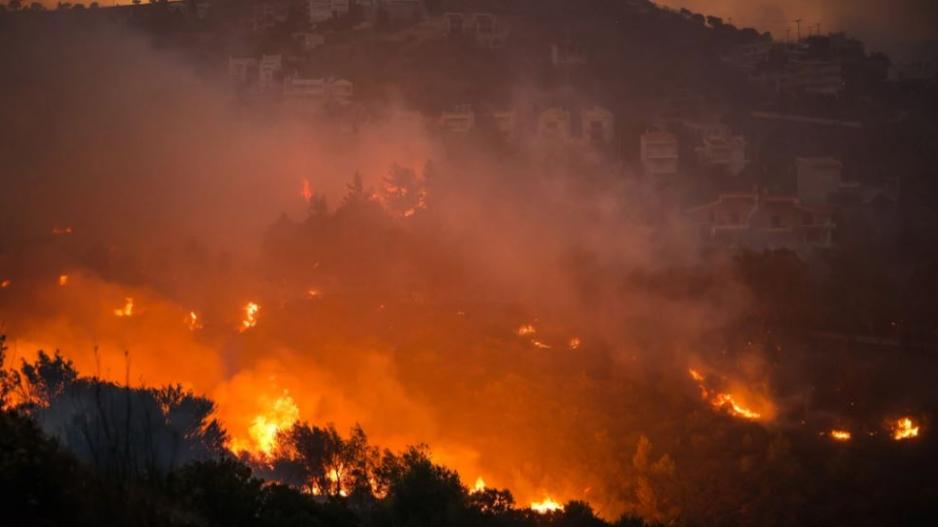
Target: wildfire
127	310
192	321
307	192
314	293
545	506
63	279
250	316
5	284
574	343
904	428
264	427
723	401
541	345
726	401
479	485
525	330
841	435
61	231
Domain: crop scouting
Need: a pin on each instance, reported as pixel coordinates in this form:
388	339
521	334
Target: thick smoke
174	193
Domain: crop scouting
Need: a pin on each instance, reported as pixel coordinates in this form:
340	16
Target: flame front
63	279
545	506
127	310
250	316
479	485
904	428
265	427
841	435
722	400
525	330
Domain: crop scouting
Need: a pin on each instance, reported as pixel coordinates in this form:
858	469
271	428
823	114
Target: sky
887	25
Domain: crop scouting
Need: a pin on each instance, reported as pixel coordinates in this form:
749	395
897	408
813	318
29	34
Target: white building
485	29
241	70
722	149
322	10
817	178
553	125
659	153
597	126
268	71
460	120
318	92
814	76
308	41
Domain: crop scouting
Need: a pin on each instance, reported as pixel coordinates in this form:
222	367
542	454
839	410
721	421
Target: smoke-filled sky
885	24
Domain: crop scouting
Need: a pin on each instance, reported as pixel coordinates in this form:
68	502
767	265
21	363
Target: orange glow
904	428
5	284
545	506
541	345
525	330
728	402
63	279
724	401
840	435
262	434
479	485
574	343
127	310
307	192
250	316
60	231
192	321
314	293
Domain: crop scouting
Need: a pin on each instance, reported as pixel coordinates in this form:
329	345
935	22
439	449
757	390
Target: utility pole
798	22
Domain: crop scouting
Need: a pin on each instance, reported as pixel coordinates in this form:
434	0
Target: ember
904	428
250	316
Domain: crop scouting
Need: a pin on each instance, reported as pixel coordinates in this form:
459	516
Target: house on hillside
477	20
590	126
759	221
659	154
460	120
322	10
817	178
720	148
242	70
316	93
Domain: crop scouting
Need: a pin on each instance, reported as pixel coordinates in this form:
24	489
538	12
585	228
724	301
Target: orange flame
60	231
574	343
264	427
5	284
545	506
723	401
250	316
192	321
479	485
63	279
904	428
841	435
307	192
525	330
127	310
